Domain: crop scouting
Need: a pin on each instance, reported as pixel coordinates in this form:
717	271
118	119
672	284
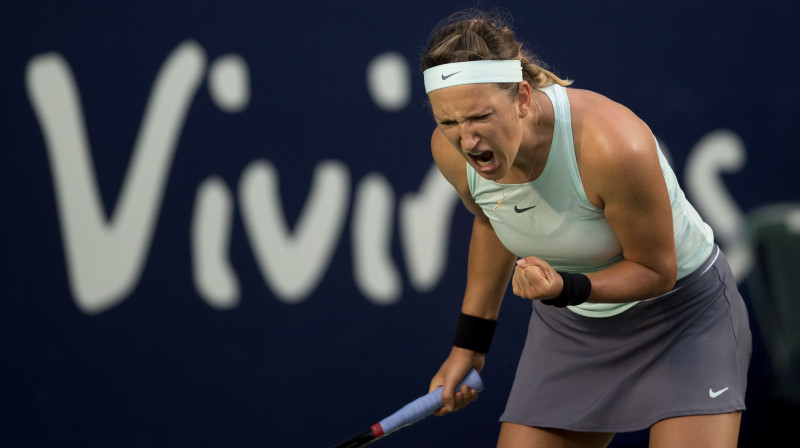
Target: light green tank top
551	217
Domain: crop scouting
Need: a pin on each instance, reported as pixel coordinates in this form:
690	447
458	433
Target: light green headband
472	72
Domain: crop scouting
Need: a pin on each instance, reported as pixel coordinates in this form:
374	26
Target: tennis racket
408	414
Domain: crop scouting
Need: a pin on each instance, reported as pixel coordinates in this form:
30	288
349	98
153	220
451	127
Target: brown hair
474	35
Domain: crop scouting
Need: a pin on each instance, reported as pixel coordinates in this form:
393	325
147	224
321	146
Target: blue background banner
222	225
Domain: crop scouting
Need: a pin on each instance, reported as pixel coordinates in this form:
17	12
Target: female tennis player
637	321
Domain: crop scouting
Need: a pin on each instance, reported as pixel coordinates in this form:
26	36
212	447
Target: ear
524	98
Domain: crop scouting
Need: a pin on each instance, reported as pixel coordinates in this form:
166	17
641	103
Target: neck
535	148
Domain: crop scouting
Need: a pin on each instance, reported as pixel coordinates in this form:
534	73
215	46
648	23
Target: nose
469	138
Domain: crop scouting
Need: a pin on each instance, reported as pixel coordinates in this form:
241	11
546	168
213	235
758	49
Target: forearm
628	281
488	271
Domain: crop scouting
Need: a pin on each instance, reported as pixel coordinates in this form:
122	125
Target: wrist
474	333
576	290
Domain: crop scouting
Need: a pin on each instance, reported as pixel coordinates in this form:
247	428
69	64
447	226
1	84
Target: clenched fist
535	279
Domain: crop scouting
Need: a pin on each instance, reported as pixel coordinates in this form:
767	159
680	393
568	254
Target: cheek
512	133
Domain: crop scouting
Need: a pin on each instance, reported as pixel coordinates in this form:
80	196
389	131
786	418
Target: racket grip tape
421	407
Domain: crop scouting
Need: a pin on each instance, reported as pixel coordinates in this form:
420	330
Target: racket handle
421	407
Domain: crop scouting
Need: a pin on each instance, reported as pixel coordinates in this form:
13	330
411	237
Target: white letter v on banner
105	258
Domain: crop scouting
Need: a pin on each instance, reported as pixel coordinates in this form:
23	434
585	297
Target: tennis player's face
482	122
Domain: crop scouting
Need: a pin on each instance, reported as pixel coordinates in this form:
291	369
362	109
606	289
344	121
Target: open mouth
482	158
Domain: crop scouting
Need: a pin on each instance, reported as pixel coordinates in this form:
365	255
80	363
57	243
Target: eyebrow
443	120
468	117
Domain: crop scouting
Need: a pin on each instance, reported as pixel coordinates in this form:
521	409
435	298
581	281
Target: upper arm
490	264
623	173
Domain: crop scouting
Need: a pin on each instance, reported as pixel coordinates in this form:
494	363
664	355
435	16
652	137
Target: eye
447	123
483	117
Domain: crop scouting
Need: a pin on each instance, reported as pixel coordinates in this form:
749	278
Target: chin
489	174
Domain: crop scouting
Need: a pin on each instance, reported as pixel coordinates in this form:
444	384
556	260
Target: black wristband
577	288
474	333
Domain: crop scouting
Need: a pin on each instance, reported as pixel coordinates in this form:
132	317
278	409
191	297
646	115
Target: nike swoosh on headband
451	74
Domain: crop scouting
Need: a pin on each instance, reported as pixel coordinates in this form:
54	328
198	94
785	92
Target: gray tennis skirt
683	353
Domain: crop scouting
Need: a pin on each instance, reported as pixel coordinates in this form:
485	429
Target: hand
451	373
535	279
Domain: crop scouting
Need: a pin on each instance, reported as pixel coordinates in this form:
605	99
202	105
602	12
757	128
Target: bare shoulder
454	169
600	117
450	163
611	142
